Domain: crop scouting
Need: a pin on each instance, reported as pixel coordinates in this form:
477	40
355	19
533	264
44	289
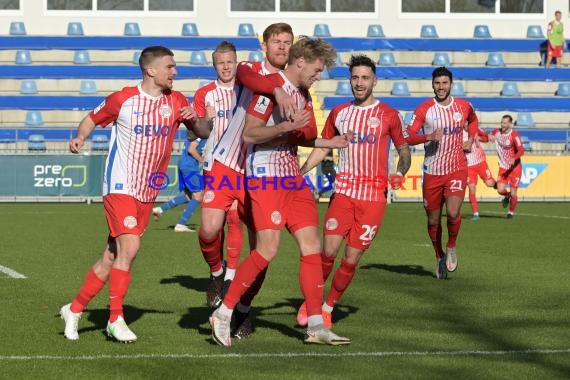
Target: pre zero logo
60	175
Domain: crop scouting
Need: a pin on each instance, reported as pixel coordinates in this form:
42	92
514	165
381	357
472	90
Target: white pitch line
537	351
524	214
10	272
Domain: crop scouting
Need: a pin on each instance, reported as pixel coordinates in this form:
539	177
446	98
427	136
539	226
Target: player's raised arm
256	131
413	136
86	126
266	85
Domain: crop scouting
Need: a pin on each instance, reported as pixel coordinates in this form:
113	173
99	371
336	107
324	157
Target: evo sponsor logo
530	172
152	130
60	176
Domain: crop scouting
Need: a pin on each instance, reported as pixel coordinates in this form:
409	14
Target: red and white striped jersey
279	160
509	146
363	165
477	154
445	156
230	149
222	99
143	131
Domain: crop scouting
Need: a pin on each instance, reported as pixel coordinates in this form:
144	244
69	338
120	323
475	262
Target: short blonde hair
312	49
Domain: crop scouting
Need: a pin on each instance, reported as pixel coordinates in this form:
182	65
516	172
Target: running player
144	120
510	150
276	192
445	165
477	167
356	209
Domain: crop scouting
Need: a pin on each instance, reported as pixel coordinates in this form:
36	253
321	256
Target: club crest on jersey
165	110
130	221
457	116
373	122
261	104
99	107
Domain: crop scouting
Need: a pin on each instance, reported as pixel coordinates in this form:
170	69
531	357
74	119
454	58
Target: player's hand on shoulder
287	104
76	144
187	113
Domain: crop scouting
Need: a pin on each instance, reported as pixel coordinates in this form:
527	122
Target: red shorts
223	185
479	170
511	176
357	221
554	51
126	215
284	205
436	188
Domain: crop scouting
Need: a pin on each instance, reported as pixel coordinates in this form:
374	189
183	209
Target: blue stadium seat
338	62
375	31
100	143
525	119
343	88
526	143
321	31
387	59
325	74
17	28
246	30
400	89
190	29
256	56
495	59
36	143
23	57
81	57
510	89
441	59
34	118
428	31
74	29
481	31
534	31
87	87
28	87
198	58
408	117
563	89
457	89
132	29
136	56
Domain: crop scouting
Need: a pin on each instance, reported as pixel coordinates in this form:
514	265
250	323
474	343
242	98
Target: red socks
327	264
211	252
91	286
235	239
247	298
473	201
434	232
453	225
119	281
246	275
513	204
312	284
342	278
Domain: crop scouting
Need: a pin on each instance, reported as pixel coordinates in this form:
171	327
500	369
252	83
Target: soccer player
445	165
213	105
356	209
276	193
189	171
477	167
510	150
556	42
144	120
229	156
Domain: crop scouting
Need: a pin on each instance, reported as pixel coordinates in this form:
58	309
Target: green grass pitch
504	313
